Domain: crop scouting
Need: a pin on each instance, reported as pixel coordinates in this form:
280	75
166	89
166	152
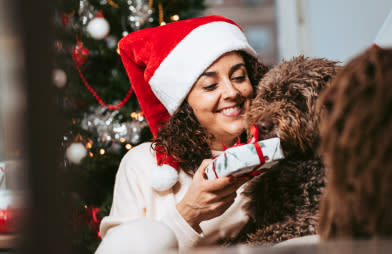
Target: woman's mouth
231	111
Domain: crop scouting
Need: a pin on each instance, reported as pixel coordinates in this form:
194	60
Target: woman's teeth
228	111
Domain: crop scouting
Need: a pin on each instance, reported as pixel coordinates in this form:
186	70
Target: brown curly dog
356	144
284	202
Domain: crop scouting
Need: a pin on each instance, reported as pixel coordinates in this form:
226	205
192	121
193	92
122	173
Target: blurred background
68	115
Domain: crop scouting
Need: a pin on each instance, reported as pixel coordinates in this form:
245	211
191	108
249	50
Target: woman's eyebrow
208	74
213	73
236	67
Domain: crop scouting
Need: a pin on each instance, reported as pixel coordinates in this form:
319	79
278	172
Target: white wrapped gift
244	159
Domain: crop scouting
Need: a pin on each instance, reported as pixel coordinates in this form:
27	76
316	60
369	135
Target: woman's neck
221	145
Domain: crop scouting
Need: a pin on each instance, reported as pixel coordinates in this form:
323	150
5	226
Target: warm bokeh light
175	17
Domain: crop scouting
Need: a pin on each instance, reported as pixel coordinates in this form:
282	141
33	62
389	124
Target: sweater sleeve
133	198
187	237
128	199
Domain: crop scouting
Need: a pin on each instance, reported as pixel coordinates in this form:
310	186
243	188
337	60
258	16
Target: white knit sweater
134	198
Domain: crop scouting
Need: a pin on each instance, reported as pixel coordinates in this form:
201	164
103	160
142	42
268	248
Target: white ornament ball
111	42
98	28
59	78
76	152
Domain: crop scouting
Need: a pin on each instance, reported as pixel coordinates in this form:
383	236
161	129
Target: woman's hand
207	199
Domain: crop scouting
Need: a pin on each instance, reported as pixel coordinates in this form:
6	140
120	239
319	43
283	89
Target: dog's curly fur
284	202
356	145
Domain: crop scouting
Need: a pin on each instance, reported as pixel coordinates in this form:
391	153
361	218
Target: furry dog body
284	202
356	144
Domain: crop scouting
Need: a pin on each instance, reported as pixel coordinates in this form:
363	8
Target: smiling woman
185	137
194	110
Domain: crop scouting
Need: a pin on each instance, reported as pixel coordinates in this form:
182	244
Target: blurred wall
258	20
335	29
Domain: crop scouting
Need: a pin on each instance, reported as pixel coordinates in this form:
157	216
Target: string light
112	3
134	115
160	11
89	145
102	151
175	17
128	146
122	140
71	14
91	154
137	116
141	116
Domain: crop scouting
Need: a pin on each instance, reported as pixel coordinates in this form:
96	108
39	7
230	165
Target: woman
193	80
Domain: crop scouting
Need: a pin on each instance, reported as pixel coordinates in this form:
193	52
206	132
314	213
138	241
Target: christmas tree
97	100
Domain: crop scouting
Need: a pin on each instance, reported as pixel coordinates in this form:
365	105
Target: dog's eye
300	101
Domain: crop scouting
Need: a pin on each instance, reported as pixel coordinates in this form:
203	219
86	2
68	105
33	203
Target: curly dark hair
184	138
356	145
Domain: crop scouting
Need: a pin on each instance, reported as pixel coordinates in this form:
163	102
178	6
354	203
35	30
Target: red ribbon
213	169
259	153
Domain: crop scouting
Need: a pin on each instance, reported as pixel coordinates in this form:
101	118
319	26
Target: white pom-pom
163	177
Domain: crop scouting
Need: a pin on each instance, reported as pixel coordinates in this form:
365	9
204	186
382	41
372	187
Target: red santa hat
164	62
384	36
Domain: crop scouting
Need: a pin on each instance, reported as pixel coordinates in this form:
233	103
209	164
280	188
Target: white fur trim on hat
177	73
163	177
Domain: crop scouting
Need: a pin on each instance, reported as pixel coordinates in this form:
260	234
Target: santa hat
164	62
384	36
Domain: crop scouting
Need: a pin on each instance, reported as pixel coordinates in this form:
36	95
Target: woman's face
220	96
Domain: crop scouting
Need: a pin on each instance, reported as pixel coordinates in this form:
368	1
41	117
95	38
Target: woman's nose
230	90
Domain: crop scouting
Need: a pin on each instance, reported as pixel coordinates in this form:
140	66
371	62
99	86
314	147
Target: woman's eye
239	78
210	87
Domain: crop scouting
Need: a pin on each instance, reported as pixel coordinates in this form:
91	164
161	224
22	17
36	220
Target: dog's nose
265	126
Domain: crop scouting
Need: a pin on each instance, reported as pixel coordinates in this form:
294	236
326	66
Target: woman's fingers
227	191
235	184
199	174
224	183
225	203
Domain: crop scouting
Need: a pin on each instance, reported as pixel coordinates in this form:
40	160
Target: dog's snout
265	126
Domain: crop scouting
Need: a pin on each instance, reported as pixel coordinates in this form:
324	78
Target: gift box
246	159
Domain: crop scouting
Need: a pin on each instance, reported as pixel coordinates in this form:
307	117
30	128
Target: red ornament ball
80	54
